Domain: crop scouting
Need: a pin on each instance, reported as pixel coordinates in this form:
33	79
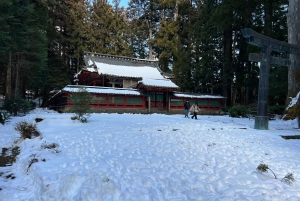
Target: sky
154	157
123	3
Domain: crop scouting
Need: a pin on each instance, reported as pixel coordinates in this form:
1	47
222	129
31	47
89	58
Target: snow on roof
100	90
119	66
158	82
90	69
184	95
129	71
90	62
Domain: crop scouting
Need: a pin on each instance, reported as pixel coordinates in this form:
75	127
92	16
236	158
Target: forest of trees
42	42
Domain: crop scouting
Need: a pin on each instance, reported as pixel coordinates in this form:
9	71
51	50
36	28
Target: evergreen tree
138	39
100	19
23	50
167	38
81	101
6	15
145	15
78	35
293	73
34	73
207	50
184	57
57	71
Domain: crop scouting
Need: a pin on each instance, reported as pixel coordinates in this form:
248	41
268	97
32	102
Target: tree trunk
8	80
293	22
150	44
234	94
176	11
227	68
17	77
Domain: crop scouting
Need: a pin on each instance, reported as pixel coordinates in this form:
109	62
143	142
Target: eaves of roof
98	90
194	95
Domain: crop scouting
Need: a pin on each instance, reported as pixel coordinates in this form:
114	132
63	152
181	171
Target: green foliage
81	101
276	109
27	130
264	168
15	105
200	42
289	178
238	111
110	30
23	44
6	14
3	117
226	109
278	85
32	104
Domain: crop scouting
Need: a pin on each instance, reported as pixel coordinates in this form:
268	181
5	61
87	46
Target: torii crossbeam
267	45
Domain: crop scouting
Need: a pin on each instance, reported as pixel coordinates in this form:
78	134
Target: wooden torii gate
267	45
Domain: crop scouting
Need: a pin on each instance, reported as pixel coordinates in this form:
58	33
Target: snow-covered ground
156	157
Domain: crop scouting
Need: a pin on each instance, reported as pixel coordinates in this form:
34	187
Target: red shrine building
123	84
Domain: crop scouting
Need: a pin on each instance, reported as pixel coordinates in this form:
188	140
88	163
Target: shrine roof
124	66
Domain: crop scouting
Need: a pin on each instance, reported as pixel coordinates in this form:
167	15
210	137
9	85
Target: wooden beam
260	40
274	60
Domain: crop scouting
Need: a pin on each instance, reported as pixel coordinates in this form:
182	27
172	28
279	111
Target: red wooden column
107	100
69	99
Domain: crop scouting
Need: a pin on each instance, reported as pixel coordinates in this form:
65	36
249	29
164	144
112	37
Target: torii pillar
262	119
267	45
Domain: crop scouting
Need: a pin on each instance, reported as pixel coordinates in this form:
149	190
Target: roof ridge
94	54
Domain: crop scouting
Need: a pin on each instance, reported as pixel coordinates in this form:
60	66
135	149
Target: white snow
293	101
150	76
158	82
123	157
129	71
183	95
102	90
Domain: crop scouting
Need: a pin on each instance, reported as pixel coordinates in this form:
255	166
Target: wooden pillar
144	101
169	103
149	103
103	80
262	120
107	100
69	99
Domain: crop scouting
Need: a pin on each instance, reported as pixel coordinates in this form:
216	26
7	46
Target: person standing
194	110
186	108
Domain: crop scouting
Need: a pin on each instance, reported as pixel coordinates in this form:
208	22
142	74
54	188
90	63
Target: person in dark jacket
186	108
